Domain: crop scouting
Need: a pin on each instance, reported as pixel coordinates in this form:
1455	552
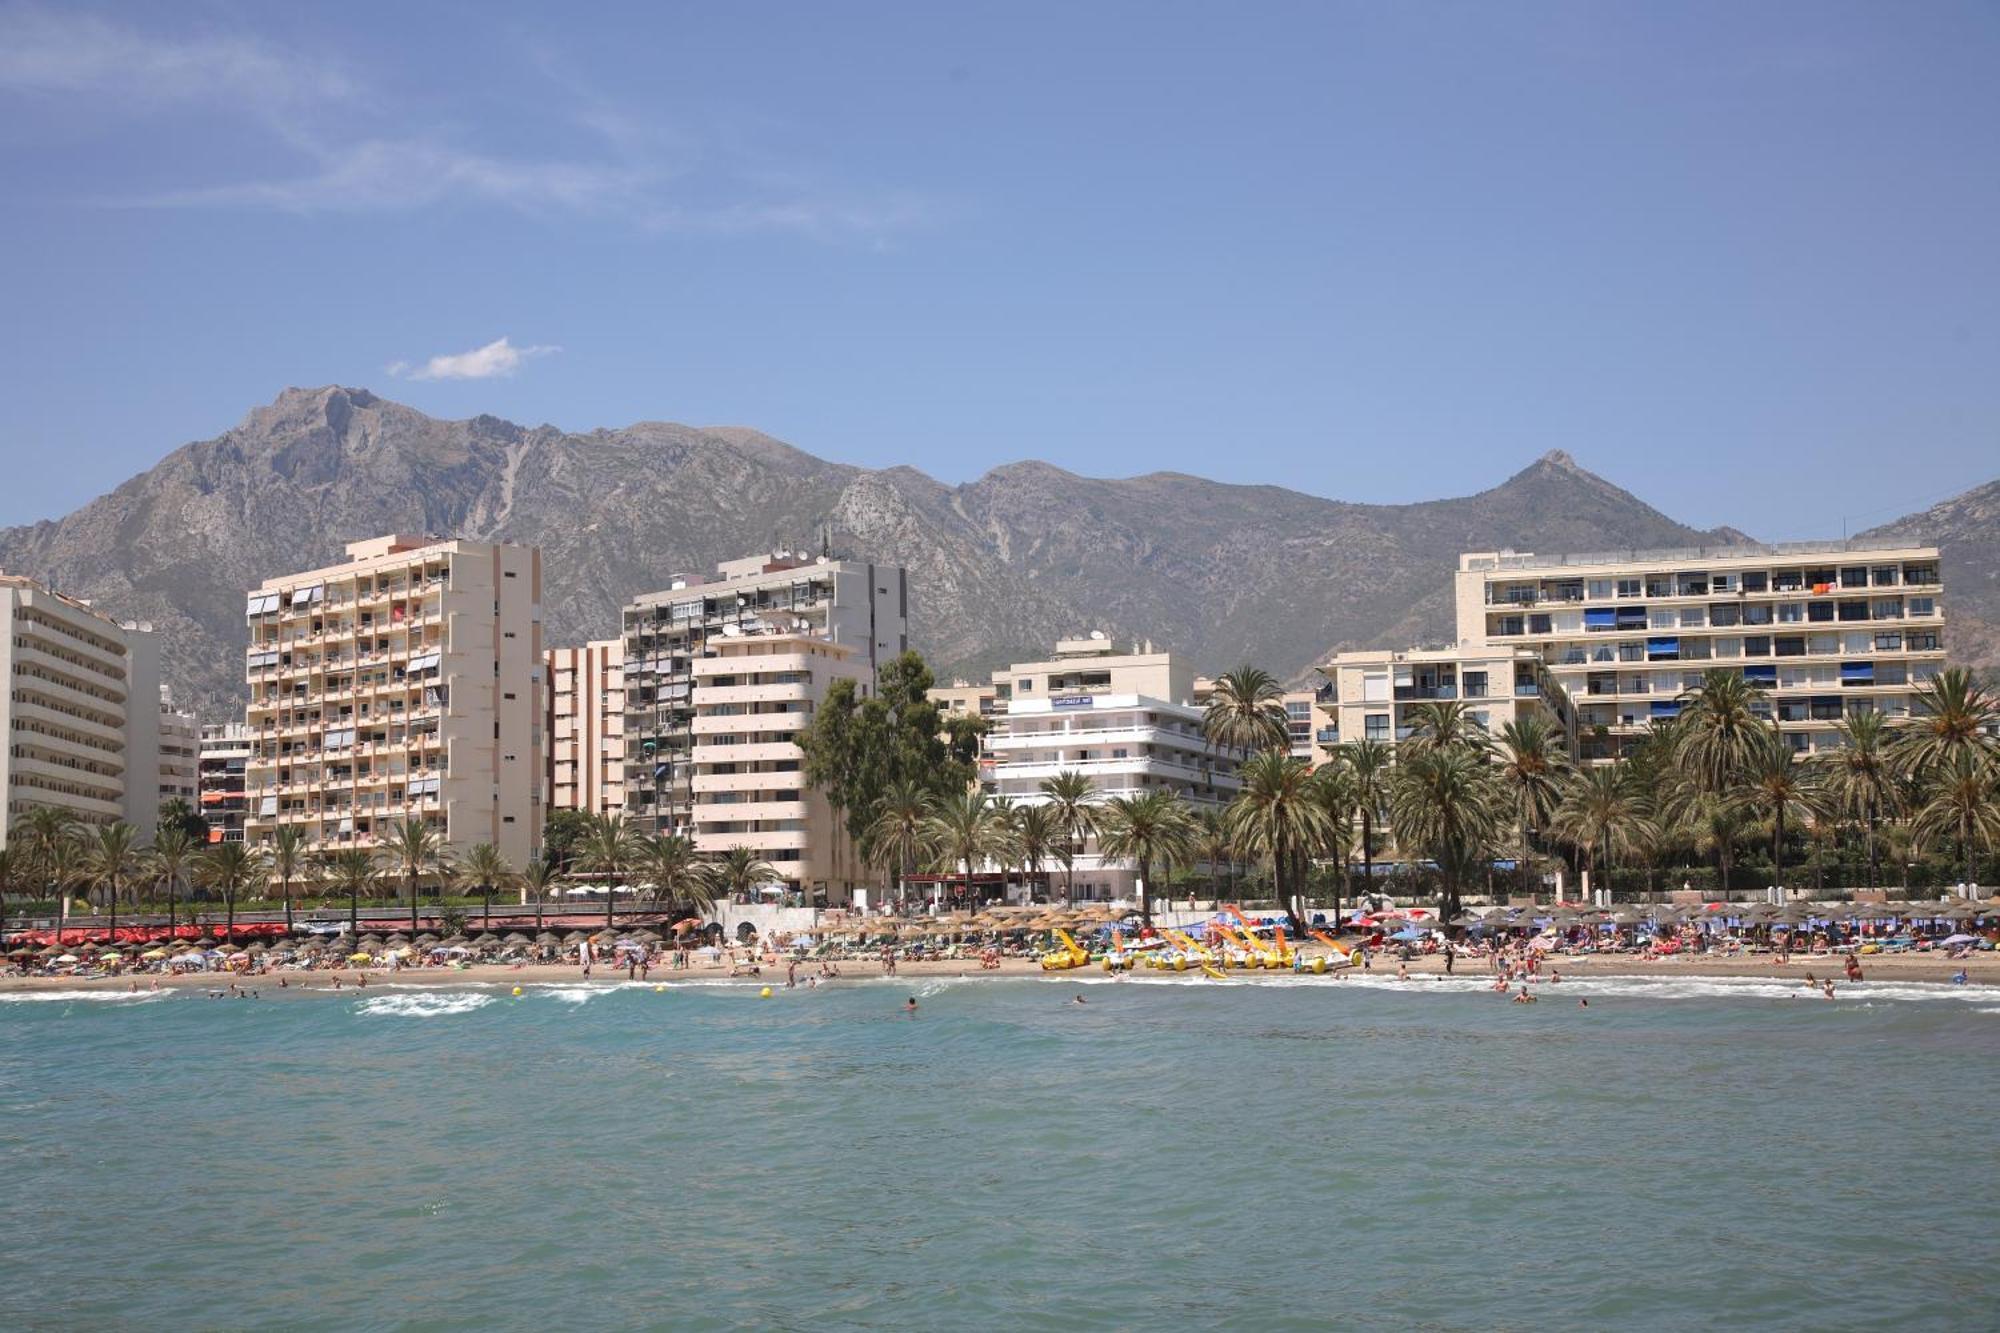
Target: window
1923	606
1538	624
1791	613
1475	684
1756	580
1628	587
1375	726
1888	643
1923	643
1026	685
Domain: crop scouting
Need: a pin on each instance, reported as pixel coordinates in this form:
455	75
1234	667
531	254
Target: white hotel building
1127	721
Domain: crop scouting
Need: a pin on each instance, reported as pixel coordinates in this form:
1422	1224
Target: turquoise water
1677	1155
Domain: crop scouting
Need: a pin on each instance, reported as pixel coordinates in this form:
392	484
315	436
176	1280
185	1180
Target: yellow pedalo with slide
1070	955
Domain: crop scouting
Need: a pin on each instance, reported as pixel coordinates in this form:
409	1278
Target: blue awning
1669	646
1857	671
1666	708
1761	675
1600	617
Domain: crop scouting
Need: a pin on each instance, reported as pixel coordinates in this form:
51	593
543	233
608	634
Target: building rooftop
1513	560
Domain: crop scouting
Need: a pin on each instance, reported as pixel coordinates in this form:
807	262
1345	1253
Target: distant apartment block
224	755
1827	629
81	710
403	682
180	744
853	603
1373	695
586	727
754	692
1126	720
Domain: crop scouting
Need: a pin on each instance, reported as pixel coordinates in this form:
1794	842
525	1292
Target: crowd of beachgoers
1521	944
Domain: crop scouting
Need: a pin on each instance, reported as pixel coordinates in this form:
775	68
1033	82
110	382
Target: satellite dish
1097	634
732	631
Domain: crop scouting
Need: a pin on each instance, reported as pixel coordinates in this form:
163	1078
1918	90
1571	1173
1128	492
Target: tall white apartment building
1828	629
586	727
855	603
1128	721
403	682
81	709
754	692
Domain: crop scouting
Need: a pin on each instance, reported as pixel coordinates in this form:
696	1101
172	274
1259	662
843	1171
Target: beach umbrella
1951	941
66	958
517	938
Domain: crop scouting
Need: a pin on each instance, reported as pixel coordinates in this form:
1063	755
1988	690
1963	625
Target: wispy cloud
53	51
622	166
496	360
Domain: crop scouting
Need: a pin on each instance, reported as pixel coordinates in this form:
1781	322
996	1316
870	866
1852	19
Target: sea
1284	1153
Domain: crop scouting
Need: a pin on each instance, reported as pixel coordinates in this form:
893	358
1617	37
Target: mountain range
999	567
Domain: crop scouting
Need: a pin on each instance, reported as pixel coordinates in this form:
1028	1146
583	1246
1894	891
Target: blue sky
1739	258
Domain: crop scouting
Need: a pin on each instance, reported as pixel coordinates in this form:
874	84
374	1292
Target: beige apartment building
753	693
585	727
855	603
1370	695
81	710
1828	629
224	757
403	682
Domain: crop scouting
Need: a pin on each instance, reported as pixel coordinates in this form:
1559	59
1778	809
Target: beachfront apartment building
1827	629
81	711
755	690
855	603
180	761
585	726
1371	695
223	756
403	682
1126	720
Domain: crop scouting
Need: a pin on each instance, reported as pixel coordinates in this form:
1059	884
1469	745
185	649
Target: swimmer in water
1583	1004
910	1005
1524	997
1827	988
1077	1000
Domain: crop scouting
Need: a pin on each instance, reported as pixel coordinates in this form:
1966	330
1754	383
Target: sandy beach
1981	969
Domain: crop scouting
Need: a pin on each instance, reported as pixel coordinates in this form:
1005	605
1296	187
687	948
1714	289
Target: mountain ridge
1000	565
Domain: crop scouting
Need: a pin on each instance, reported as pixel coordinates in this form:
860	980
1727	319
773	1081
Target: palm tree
1073	797
1333	788
13	866
607	849
1718	727
353	871
1369	765
47	834
967	828
109	861
413	851
1037	834
1605	815
1278	816
1151	829
898	837
741	870
1246	712
1962	800
669	863
536	877
1440	722
1776	783
1445	804
1211	843
1533	758
1862	778
1708	823
1949	714
230	868
487	870
287	850
172	850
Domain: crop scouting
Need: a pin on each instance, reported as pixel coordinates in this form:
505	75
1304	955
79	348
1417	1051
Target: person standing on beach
1450	954
583	951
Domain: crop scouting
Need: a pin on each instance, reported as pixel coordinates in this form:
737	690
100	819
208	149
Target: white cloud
51	51
496	360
